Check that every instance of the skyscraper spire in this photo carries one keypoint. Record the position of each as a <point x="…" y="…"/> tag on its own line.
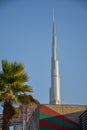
<point x="54" y="51"/>
<point x="55" y="78"/>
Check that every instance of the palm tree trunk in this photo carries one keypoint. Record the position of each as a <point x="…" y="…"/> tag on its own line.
<point x="6" y="115"/>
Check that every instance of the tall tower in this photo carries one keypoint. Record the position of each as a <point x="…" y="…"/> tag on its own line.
<point x="55" y="77"/>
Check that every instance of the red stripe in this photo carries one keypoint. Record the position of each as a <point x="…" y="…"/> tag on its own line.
<point x="51" y="125"/>
<point x="51" y="112"/>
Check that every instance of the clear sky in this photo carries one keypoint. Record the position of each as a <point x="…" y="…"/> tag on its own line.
<point x="26" y="37"/>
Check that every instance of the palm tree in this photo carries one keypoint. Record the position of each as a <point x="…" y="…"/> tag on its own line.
<point x="13" y="89"/>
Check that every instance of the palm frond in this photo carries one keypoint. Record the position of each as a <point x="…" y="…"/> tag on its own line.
<point x="26" y="88"/>
<point x="33" y="100"/>
<point x="23" y="99"/>
<point x="26" y="99"/>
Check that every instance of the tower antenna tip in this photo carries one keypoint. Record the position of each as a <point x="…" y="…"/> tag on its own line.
<point x="53" y="14"/>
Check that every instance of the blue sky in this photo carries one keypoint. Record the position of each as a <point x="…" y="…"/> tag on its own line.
<point x="26" y="37"/>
